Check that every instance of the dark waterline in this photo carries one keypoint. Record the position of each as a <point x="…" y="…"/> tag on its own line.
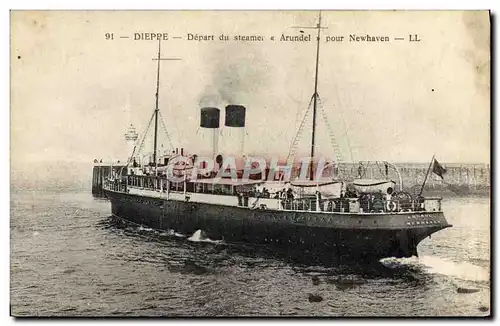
<point x="70" y="258"/>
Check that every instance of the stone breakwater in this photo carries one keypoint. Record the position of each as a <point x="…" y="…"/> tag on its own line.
<point x="459" y="179"/>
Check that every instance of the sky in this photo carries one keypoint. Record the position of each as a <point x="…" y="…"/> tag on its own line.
<point x="74" y="93"/>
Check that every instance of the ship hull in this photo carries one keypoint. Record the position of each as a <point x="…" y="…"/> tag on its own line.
<point x="344" y="237"/>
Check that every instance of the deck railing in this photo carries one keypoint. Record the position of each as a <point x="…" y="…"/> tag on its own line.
<point x="365" y="204"/>
<point x="115" y="185"/>
<point x="357" y="205"/>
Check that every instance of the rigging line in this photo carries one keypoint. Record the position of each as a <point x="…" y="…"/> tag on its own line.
<point x="166" y="131"/>
<point x="295" y="140"/>
<point x="297" y="115"/>
<point x="145" y="133"/>
<point x="297" y="112"/>
<point x="333" y="140"/>
<point x="128" y="162"/>
<point x="379" y="169"/>
<point x="140" y="146"/>
<point x="345" y="125"/>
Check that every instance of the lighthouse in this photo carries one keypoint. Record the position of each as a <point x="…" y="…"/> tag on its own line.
<point x="131" y="137"/>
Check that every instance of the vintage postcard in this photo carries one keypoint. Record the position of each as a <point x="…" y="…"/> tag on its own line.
<point x="250" y="163"/>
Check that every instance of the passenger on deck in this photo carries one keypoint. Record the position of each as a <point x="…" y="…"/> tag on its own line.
<point x="289" y="194"/>
<point x="419" y="201"/>
<point x="283" y="194"/>
<point x="351" y="193"/>
<point x="388" y="195"/>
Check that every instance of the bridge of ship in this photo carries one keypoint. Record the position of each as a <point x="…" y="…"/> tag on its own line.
<point x="244" y="194"/>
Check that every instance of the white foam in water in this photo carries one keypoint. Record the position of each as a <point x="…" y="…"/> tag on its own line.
<point x="173" y="233"/>
<point x="198" y="237"/>
<point x="142" y="228"/>
<point x="437" y="265"/>
<point x="392" y="262"/>
<point x="463" y="270"/>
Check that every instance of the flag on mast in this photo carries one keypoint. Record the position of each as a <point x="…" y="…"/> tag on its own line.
<point x="438" y="169"/>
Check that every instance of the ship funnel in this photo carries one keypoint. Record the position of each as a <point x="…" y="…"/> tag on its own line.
<point x="235" y="134"/>
<point x="209" y="122"/>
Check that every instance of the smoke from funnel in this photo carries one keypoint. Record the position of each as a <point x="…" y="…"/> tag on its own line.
<point x="238" y="72"/>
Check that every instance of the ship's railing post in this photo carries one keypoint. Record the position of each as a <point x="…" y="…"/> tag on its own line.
<point x="430" y="204"/>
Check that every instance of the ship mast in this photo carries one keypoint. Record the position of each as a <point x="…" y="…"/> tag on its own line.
<point x="157" y="109"/>
<point x="315" y="100"/>
<point x="155" y="150"/>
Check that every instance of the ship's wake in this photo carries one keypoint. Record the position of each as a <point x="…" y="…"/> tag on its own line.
<point x="200" y="236"/>
<point x="441" y="266"/>
<point x="172" y="233"/>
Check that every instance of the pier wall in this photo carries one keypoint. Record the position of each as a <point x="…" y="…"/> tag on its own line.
<point x="459" y="179"/>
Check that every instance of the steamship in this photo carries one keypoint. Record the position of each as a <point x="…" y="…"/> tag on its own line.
<point x="371" y="218"/>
